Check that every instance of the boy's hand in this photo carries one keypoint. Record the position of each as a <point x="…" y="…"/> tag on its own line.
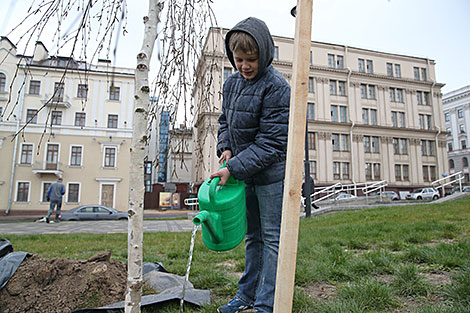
<point x="224" y="175"/>
<point x="226" y="155"/>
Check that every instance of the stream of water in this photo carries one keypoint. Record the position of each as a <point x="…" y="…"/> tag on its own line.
<point x="188" y="267"/>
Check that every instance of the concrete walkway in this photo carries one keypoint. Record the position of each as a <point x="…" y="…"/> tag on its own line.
<point x="91" y="227"/>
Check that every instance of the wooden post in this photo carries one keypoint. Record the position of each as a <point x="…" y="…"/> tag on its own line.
<point x="296" y="140"/>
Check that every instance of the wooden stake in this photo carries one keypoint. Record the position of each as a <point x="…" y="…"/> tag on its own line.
<point x="295" y="147"/>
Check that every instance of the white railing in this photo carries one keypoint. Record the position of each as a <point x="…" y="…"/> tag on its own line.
<point x="330" y="192"/>
<point x="441" y="182"/>
<point x="371" y="187"/>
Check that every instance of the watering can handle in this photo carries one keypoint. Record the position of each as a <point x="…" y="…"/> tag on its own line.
<point x="214" y="182"/>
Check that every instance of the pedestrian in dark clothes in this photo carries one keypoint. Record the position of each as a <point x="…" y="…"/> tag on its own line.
<point x="308" y="196"/>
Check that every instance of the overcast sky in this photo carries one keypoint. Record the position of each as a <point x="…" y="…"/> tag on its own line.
<point x="435" y="29"/>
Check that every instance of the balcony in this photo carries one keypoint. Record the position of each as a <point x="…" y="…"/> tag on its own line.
<point x="44" y="168"/>
<point x="57" y="102"/>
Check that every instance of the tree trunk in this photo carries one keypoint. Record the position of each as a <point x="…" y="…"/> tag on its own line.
<point x="137" y="154"/>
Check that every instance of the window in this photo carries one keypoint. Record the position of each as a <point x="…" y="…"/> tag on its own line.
<point x="463" y="144"/>
<point x="400" y="146"/>
<point x="372" y="171"/>
<point x="341" y="170"/>
<point x="421" y="121"/>
<point x="396" y="95"/>
<point x="394" y="119"/>
<point x="56" y="118"/>
<point x="449" y="147"/>
<point x="375" y="144"/>
<point x="424" y="150"/>
<point x="340" y="142"/>
<point x="400" y="95"/>
<point x="227" y="72"/>
<point x="390" y="69"/>
<point x="447" y="117"/>
<point x="401" y="119"/>
<point x="368" y="171"/>
<point x="416" y="73"/>
<point x="335" y="61"/>
<point x="367" y="91"/>
<point x="429" y="121"/>
<point x="76" y="156"/>
<point x="73" y="192"/>
<point x="331" y="60"/>
<point x="114" y="93"/>
<point x="276" y="53"/>
<point x="465" y="162"/>
<point x="339" y="114"/>
<point x="22" y="193"/>
<point x="361" y="65"/>
<point x="310" y="85"/>
<point x="45" y="189"/>
<point x="34" y="87"/>
<point x="460" y="113"/>
<point x="425" y="173"/>
<point x="367" y="144"/>
<point x="59" y="92"/>
<point x="311" y="140"/>
<point x="397" y="70"/>
<point x="392" y="95"/>
<point x="373" y="116"/>
<point x="82" y="91"/>
<point x="80" y="118"/>
<point x="112" y="121"/>
<point x="26" y="153"/>
<point x="3" y="82"/>
<point x="310" y="111"/>
<point x="110" y="157"/>
<point x="423" y="98"/>
<point x="32" y="116"/>
<point x="365" y="116"/>
<point x="313" y="169"/>
<point x="344" y="142"/>
<point x="335" y="141"/>
<point x="428" y="148"/>
<point x="370" y="67"/>
<point x="448" y="131"/>
<point x="337" y="88"/>
<point x="451" y="163"/>
<point x="423" y="74"/>
<point x="402" y="172"/>
<point x="462" y="128"/>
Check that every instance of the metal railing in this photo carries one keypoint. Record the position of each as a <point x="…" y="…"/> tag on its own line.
<point x="330" y="191"/>
<point x="371" y="187"/>
<point x="441" y="182"/>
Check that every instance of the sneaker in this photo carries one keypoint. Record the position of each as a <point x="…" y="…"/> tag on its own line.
<point x="235" y="305"/>
<point x="47" y="220"/>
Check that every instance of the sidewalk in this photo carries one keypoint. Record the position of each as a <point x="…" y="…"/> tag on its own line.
<point x="32" y="215"/>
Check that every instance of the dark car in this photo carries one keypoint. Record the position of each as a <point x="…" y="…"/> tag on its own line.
<point x="93" y="212"/>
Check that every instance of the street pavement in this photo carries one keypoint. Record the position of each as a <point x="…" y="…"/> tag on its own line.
<point x="92" y="227"/>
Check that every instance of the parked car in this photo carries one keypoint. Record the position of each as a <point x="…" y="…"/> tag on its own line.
<point x="423" y="193"/>
<point x="344" y="196"/>
<point x="466" y="189"/>
<point x="391" y="194"/>
<point x="93" y="212"/>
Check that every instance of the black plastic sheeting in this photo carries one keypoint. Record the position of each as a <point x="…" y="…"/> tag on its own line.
<point x="9" y="261"/>
<point x="169" y="286"/>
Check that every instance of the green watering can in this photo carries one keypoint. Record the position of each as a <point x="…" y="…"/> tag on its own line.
<point x="222" y="213"/>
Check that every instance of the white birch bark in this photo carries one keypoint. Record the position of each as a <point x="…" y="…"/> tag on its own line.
<point x="137" y="154"/>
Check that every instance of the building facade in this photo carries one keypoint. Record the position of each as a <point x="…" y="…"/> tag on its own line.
<point x="73" y="120"/>
<point x="457" y="121"/>
<point x="371" y="115"/>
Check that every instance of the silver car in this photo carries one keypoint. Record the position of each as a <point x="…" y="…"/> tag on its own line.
<point x="93" y="212"/>
<point x="423" y="193"/>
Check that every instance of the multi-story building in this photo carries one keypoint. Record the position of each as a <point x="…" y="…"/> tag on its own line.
<point x="73" y="120"/>
<point x="371" y="115"/>
<point x="457" y="122"/>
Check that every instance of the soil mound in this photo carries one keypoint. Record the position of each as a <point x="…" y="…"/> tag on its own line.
<point x="60" y="285"/>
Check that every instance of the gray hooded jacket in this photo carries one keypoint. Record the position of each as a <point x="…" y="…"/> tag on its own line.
<point x="255" y="114"/>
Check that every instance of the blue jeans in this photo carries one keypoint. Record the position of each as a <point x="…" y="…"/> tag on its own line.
<point x="54" y="203"/>
<point x="264" y="212"/>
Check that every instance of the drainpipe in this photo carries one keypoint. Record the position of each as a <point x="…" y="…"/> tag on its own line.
<point x="437" y="134"/>
<point x="351" y="130"/>
<point x="15" y="148"/>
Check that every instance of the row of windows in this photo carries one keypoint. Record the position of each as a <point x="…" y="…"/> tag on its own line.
<point x="460" y="114"/>
<point x="464" y="162"/>
<point x="463" y="145"/>
<point x="80" y="118"/>
<point x="23" y="192"/>
<point x="76" y="155"/>
<point x="59" y="89"/>
<point x="373" y="171"/>
<point x="367" y="66"/>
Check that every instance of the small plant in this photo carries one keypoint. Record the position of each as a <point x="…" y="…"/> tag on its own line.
<point x="459" y="290"/>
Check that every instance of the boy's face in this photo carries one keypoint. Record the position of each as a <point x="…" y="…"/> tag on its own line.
<point x="247" y="64"/>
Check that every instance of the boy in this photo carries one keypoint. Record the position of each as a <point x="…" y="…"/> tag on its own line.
<point x="252" y="139"/>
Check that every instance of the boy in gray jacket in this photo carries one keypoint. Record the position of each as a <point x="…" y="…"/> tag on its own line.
<point x="252" y="139"/>
<point x="54" y="195"/>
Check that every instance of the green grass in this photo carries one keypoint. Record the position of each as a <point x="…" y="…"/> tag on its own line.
<point x="378" y="260"/>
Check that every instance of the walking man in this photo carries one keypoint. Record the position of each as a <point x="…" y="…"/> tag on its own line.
<point x="54" y="195"/>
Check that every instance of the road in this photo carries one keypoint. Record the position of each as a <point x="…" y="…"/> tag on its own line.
<point x="92" y="227"/>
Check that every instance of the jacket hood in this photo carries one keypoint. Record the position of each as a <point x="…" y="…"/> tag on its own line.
<point x="260" y="32"/>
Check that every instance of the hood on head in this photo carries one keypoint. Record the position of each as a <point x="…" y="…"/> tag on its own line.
<point x="260" y="32"/>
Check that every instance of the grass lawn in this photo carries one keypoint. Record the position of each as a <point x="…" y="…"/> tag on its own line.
<point x="389" y="259"/>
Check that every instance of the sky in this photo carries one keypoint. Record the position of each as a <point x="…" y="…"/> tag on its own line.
<point x="435" y="29"/>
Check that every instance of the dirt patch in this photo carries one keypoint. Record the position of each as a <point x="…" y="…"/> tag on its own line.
<point x="60" y="285"/>
<point x="320" y="291"/>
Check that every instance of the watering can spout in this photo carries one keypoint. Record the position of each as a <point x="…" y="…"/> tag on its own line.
<point x="213" y="223"/>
